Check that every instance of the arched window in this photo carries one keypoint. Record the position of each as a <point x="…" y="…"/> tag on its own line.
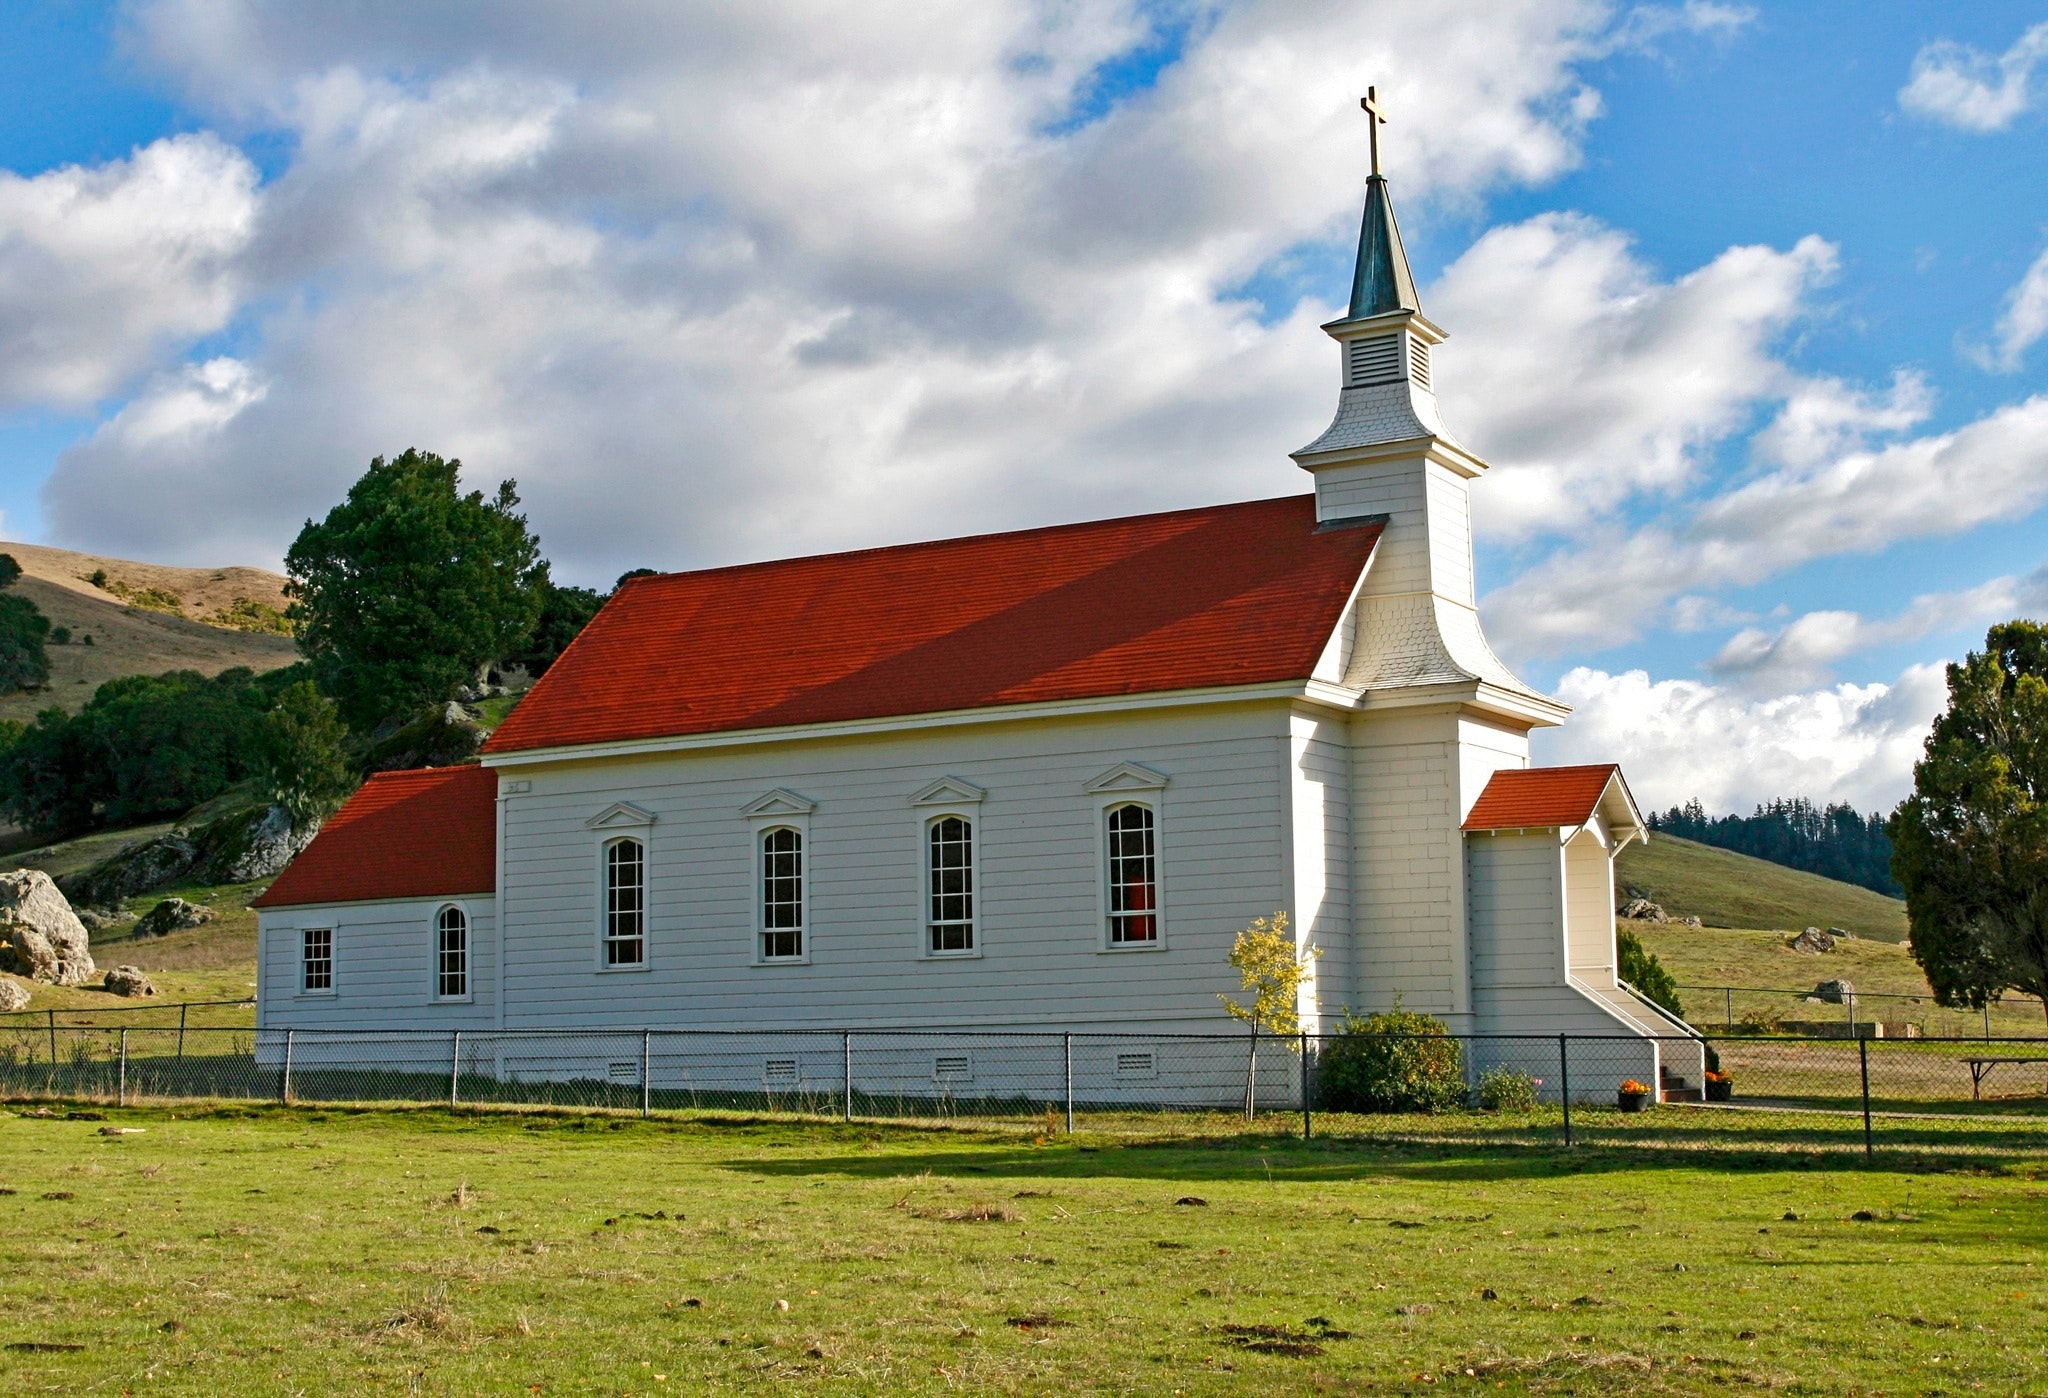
<point x="949" y="881"/>
<point x="782" y="894"/>
<point x="451" y="954"/>
<point x="625" y="903"/>
<point x="1133" y="877"/>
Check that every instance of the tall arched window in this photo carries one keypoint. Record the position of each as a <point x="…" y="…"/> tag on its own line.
<point x="782" y="894"/>
<point x="625" y="903"/>
<point x="949" y="881"/>
<point x="451" y="954"/>
<point x="1133" y="877"/>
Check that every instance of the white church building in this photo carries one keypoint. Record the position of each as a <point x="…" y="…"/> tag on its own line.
<point x="1033" y="780"/>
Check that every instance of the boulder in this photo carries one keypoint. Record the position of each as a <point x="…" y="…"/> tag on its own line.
<point x="172" y="915"/>
<point x="1813" y="940"/>
<point x="41" y="939"/>
<point x="1643" y="910"/>
<point x="1835" y="992"/>
<point x="95" y="920"/>
<point x="1692" y="922"/>
<point x="1841" y="934"/>
<point x="13" y="996"/>
<point x="129" y="981"/>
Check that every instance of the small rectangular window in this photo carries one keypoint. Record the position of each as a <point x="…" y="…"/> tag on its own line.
<point x="451" y="954"/>
<point x="622" y="1072"/>
<point x="625" y="903"/>
<point x="949" y="880"/>
<point x="952" y="1067"/>
<point x="316" y="959"/>
<point x="779" y="1071"/>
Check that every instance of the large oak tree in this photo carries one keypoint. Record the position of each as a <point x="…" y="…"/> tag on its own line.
<point x="1970" y="845"/>
<point x="409" y="588"/>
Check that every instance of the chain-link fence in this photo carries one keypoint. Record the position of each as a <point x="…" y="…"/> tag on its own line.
<point x="1733" y="1092"/>
<point x="1833" y="1009"/>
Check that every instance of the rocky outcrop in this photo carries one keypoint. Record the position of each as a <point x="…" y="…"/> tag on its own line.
<point x="445" y="735"/>
<point x="253" y="843"/>
<point x="172" y="915"/>
<point x="1643" y="910"/>
<point x="13" y="996"/>
<point x="135" y="869"/>
<point x="40" y="938"/>
<point x="1835" y="992"/>
<point x="129" y="981"/>
<point x="1813" y="940"/>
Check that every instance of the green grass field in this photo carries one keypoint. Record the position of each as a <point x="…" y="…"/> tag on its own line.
<point x="271" y="1251"/>
<point x="1724" y="889"/>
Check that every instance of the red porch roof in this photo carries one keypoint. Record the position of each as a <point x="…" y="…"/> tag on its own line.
<point x="1539" y="797"/>
<point x="421" y="834"/>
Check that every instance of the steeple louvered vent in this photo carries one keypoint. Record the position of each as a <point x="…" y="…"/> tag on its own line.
<point x="1375" y="359"/>
<point x="1418" y="363"/>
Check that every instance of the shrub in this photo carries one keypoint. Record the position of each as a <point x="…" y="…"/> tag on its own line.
<point x="1507" y="1090"/>
<point x="60" y="635"/>
<point x="1641" y="969"/>
<point x="1396" y="1061"/>
<point x="1764" y="1021"/>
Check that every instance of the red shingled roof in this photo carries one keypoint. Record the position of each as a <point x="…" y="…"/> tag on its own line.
<point x="1230" y="595"/>
<point x="424" y="834"/>
<point x="1539" y="797"/>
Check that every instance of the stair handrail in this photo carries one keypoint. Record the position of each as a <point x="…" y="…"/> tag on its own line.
<point x="1658" y="1010"/>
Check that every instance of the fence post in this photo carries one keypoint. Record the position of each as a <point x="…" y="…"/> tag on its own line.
<point x="284" y="1091"/>
<point x="53" y="1041"/>
<point x="1564" y="1083"/>
<point x="121" y="1092"/>
<point x="182" y="1007"/>
<point x="1728" y="994"/>
<point x="1987" y="1021"/>
<point x="1863" y="1057"/>
<point x="846" y="1081"/>
<point x="454" y="1067"/>
<point x="1070" y="1083"/>
<point x="646" y="1088"/>
<point x="1308" y="1125"/>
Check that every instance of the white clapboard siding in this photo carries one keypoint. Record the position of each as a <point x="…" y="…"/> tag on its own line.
<point x="1320" y="776"/>
<point x="383" y="967"/>
<point x="1589" y="908"/>
<point x="1407" y="876"/>
<point x="1222" y="823"/>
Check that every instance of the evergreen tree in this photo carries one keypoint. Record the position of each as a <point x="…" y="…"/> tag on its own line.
<point x="302" y="754"/>
<point x="1972" y="839"/>
<point x="24" y="630"/>
<point x="408" y="588"/>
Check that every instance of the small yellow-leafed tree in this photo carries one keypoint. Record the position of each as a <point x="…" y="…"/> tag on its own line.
<point x="1272" y="968"/>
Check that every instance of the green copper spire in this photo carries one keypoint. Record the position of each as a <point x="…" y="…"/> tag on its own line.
<point x="1381" y="283"/>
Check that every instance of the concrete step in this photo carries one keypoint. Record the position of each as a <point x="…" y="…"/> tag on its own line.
<point x="1682" y="1094"/>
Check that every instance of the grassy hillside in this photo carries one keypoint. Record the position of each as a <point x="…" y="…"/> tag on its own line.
<point x="146" y="620"/>
<point x="1725" y="889"/>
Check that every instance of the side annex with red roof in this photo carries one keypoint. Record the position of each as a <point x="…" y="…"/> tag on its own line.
<point x="1034" y="780"/>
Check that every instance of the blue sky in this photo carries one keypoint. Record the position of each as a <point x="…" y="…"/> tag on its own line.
<point x="723" y="283"/>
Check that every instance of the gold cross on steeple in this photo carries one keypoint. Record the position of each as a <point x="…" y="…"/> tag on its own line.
<point x="1376" y="117"/>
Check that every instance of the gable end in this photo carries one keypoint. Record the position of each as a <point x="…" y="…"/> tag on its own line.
<point x="948" y="791"/>
<point x="618" y="815"/>
<point x="1128" y="776"/>
<point x="779" y="802"/>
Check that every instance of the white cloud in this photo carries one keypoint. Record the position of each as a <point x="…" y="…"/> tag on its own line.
<point x="1681" y="739"/>
<point x="103" y="270"/>
<point x="1804" y="653"/>
<point x="738" y="281"/>
<point x="1589" y="379"/>
<point x="1962" y="86"/>
<point x="1823" y="418"/>
<point x="1608" y="587"/>
<point x="2024" y="321"/>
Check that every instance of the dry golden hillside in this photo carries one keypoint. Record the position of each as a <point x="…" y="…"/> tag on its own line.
<point x="145" y="619"/>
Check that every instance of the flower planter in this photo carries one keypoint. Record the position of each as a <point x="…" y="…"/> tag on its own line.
<point x="1722" y="1091"/>
<point x="1631" y="1101"/>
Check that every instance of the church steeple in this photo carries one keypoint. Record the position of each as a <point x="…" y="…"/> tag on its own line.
<point x="1387" y="456"/>
<point x="1381" y="282"/>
